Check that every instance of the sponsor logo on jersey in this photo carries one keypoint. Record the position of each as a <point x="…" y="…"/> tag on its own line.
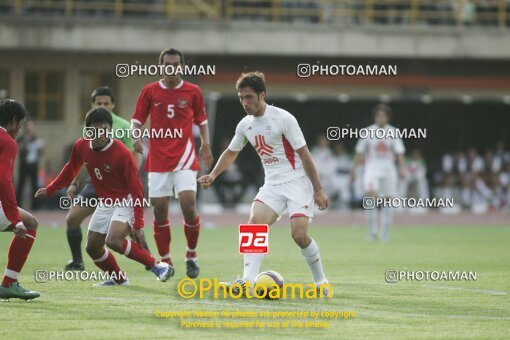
<point x="268" y="130"/>
<point x="381" y="148"/>
<point x="261" y="147"/>
<point x="271" y="160"/>
<point x="107" y="167"/>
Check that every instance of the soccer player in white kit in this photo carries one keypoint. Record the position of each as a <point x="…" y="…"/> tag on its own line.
<point x="292" y="182"/>
<point x="380" y="178"/>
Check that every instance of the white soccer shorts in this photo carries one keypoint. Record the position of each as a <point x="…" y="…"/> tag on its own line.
<point x="103" y="216"/>
<point x="295" y="196"/>
<point x="383" y="184"/>
<point x="167" y="184"/>
<point x="4" y="222"/>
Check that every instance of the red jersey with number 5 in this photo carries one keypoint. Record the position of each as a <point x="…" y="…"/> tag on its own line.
<point x="175" y="109"/>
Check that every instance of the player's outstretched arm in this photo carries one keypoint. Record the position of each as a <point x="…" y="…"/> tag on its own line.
<point x="226" y="159"/>
<point x="65" y="177"/>
<point x="319" y="195"/>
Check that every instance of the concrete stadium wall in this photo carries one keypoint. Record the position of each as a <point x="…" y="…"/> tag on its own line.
<point x="252" y="38"/>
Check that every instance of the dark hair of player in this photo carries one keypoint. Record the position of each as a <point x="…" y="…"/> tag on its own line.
<point x="98" y="116"/>
<point x="103" y="91"/>
<point x="11" y="109"/>
<point x="382" y="107"/>
<point x="171" y="51"/>
<point x="254" y="80"/>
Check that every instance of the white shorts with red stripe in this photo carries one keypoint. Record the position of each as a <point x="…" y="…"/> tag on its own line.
<point x="167" y="184"/>
<point x="295" y="196"/>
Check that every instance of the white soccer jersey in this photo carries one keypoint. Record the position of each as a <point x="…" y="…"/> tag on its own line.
<point x="275" y="136"/>
<point x="380" y="152"/>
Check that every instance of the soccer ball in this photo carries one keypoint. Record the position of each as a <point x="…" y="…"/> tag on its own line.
<point x="270" y="280"/>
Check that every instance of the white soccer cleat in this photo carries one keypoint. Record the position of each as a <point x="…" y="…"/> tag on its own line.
<point x="163" y="271"/>
<point x="325" y="287"/>
<point x="235" y="286"/>
<point x="108" y="283"/>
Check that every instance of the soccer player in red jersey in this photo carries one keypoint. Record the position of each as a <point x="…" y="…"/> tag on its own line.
<point x="174" y="105"/>
<point x="114" y="175"/>
<point x="12" y="218"/>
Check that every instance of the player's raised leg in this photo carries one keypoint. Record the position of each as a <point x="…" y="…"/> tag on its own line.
<point x="18" y="253"/>
<point x="187" y="200"/>
<point x="117" y="241"/>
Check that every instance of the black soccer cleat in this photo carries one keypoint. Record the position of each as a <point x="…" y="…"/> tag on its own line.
<point x="74" y="266"/>
<point x="192" y="269"/>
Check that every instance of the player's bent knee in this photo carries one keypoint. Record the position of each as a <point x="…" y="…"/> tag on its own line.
<point x="189" y="215"/>
<point x="73" y="221"/>
<point x="93" y="250"/>
<point x="259" y="219"/>
<point x="301" y="238"/>
<point x="160" y="208"/>
<point x="256" y="220"/>
<point x="31" y="223"/>
<point x="114" y="243"/>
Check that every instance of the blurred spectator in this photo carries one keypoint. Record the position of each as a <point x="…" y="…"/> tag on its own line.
<point x="30" y="150"/>
<point x="473" y="186"/>
<point x="504" y="184"/>
<point x="454" y="169"/>
<point x="493" y="164"/>
<point x="502" y="153"/>
<point x="229" y="185"/>
<point x="341" y="179"/>
<point x="47" y="174"/>
<point x="415" y="182"/>
<point x="464" y="12"/>
<point x="323" y="158"/>
<point x="479" y="183"/>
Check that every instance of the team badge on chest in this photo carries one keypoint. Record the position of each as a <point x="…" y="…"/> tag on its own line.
<point x="107" y="167"/>
<point x="182" y="103"/>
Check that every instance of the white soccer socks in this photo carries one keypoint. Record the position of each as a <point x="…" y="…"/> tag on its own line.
<point x="372" y="224"/>
<point x="386" y="222"/>
<point x="313" y="258"/>
<point x="252" y="266"/>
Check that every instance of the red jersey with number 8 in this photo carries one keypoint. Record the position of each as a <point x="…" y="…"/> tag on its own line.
<point x="172" y="113"/>
<point x="112" y="170"/>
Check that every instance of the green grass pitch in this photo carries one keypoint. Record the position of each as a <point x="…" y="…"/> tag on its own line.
<point x="443" y="309"/>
